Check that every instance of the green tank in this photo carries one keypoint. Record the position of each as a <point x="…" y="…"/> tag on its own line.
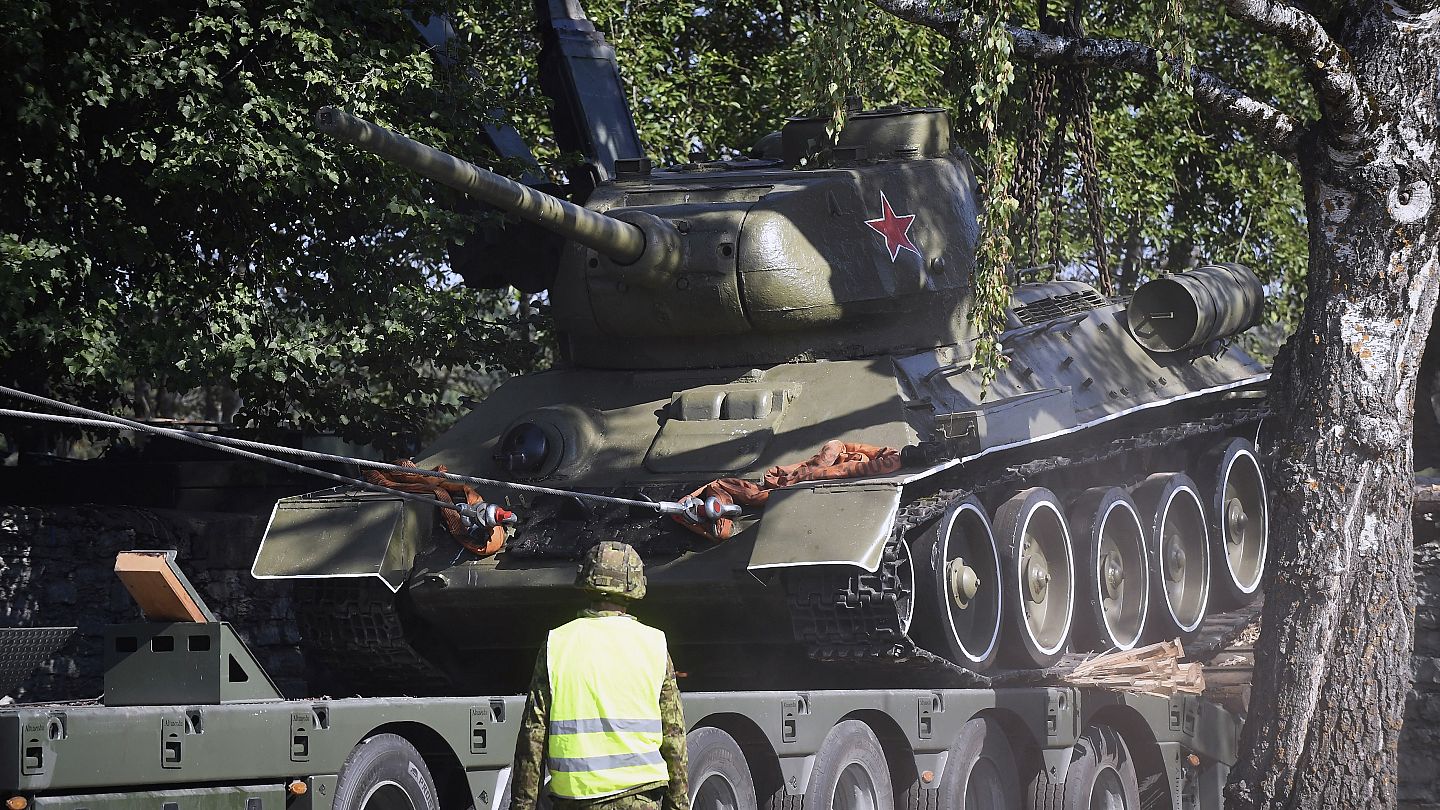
<point x="716" y="320"/>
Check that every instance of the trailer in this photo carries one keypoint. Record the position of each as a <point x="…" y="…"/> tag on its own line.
<point x="189" y="720"/>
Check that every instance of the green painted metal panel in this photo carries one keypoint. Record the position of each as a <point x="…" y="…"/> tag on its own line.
<point x="87" y="757"/>
<point x="350" y="535"/>
<point x="238" y="797"/>
<point x="839" y="523"/>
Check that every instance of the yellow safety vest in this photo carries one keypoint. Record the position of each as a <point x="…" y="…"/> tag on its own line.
<point x="604" y="732"/>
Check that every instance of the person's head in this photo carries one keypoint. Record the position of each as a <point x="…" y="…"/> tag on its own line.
<point x="611" y="571"/>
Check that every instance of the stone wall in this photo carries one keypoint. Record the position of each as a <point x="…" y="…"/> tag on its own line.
<point x="56" y="568"/>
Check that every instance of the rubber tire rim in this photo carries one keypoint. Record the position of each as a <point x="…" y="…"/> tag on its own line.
<point x="379" y="772"/>
<point x="1227" y="589"/>
<point x="1118" y="511"/>
<point x="1157" y="497"/>
<point x="963" y="531"/>
<point x="719" y="774"/>
<point x="1013" y="522"/>
<point x="851" y="759"/>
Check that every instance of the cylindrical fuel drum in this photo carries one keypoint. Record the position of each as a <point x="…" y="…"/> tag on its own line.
<point x="1193" y="308"/>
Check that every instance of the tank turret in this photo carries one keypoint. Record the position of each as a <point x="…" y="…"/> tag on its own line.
<point x="749" y="262"/>
<point x="721" y="320"/>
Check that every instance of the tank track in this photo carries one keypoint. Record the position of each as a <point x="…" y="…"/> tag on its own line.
<point x="348" y="621"/>
<point x="848" y="617"/>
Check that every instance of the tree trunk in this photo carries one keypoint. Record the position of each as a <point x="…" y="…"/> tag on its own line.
<point x="1128" y="278"/>
<point x="1332" y="665"/>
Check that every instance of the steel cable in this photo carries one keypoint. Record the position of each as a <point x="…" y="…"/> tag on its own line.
<point x="229" y="445"/>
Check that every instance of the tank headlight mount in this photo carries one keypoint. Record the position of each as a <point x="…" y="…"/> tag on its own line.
<point x="523" y="449"/>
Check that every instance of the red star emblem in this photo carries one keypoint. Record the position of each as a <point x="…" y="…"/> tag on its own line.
<point x="895" y="229"/>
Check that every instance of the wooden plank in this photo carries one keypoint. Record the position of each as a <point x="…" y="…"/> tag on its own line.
<point x="155" y="588"/>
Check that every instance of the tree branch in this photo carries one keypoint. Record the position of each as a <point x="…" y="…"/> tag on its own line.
<point x="1274" y="128"/>
<point x="1348" y="109"/>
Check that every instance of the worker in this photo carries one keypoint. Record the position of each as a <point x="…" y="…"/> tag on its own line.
<point x="603" y="710"/>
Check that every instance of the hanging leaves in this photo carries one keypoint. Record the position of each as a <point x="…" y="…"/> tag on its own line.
<point x="994" y="75"/>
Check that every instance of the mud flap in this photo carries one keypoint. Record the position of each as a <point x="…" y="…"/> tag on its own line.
<point x="327" y="535"/>
<point x="836" y="523"/>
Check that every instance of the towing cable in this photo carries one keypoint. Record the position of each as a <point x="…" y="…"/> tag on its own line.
<point x="690" y="509"/>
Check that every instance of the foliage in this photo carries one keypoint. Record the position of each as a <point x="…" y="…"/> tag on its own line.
<point x="174" y="219"/>
<point x="1174" y="187"/>
<point x="993" y="77"/>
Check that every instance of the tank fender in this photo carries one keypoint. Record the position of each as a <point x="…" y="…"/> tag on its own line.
<point x="1057" y="762"/>
<point x="796" y="773"/>
<point x="342" y="534"/>
<point x="836" y="523"/>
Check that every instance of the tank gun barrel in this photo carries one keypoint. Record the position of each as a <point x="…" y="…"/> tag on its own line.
<point x="621" y="241"/>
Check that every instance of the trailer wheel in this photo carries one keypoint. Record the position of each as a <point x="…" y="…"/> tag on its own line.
<point x="850" y="772"/>
<point x="385" y="772"/>
<point x="719" y="775"/>
<point x="1101" y="773"/>
<point x="980" y="769"/>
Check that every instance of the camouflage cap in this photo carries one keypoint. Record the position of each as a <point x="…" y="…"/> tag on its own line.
<point x="612" y="568"/>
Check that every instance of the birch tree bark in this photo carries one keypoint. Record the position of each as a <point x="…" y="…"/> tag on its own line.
<point x="1333" y="659"/>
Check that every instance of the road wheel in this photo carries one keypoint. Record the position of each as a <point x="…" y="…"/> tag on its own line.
<point x="719" y="775"/>
<point x="1101" y="775"/>
<point x="1039" y="577"/>
<point x="1113" y="572"/>
<point x="385" y="772"/>
<point x="980" y="770"/>
<point x="959" y="586"/>
<point x="1179" y="553"/>
<point x="850" y="772"/>
<point x="1239" y="521"/>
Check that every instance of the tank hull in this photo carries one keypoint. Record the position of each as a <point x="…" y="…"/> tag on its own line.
<point x="731" y="608"/>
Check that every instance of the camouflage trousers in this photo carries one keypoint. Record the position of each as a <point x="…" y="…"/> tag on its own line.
<point x="649" y="800"/>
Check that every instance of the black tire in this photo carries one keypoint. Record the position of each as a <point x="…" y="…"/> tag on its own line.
<point x="1174" y="513"/>
<point x="719" y="775"/>
<point x="980" y="771"/>
<point x="962" y="626"/>
<point x="385" y="772"/>
<point x="1039" y="578"/>
<point x="1100" y="769"/>
<point x="1112" y="570"/>
<point x="850" y="772"/>
<point x="1238" y="542"/>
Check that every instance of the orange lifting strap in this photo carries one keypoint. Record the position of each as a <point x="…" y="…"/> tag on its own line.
<point x="419" y="482"/>
<point x="836" y="459"/>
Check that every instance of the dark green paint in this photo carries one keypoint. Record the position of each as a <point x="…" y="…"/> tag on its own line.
<point x="764" y="315"/>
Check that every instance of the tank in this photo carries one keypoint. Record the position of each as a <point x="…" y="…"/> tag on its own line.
<point x="721" y="319"/>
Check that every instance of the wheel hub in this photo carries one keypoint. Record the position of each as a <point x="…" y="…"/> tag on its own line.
<point x="1112" y="574"/>
<point x="1235" y="521"/>
<point x="1037" y="572"/>
<point x="1174" y="559"/>
<point x="964" y="583"/>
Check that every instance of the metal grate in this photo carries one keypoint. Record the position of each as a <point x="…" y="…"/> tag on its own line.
<point x="22" y="649"/>
<point x="1058" y="306"/>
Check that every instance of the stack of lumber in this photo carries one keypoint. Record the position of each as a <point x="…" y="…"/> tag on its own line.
<point x="1155" y="669"/>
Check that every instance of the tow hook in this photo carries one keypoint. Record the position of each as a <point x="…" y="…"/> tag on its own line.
<point x="699" y="512"/>
<point x="484" y="517"/>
